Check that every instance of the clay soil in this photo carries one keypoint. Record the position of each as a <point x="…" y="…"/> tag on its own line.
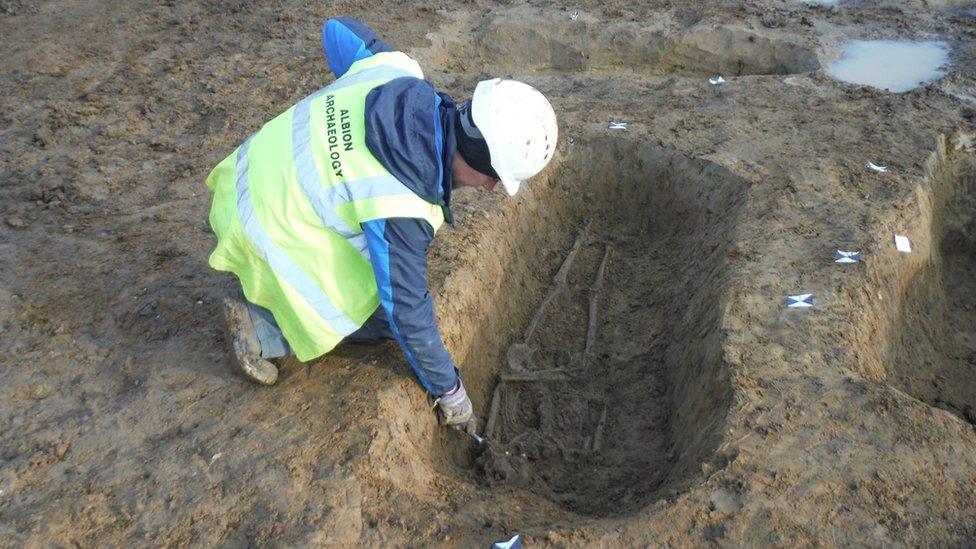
<point x="621" y="324"/>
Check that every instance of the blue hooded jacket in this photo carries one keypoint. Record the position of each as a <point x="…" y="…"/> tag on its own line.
<point x="410" y="130"/>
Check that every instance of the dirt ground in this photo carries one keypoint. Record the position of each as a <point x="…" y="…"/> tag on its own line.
<point x="621" y="324"/>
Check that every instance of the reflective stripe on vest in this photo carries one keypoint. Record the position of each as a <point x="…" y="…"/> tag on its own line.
<point x="280" y="262"/>
<point x="289" y="202"/>
<point x="326" y="199"/>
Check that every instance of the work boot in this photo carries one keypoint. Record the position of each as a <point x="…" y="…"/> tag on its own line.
<point x="243" y="342"/>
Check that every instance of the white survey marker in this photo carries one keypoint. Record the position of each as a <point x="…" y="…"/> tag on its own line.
<point x="847" y="257"/>
<point x="574" y="15"/>
<point x="514" y="543"/>
<point x="617" y="126"/>
<point x="716" y="80"/>
<point x="799" y="301"/>
<point x="902" y="244"/>
<point x="877" y="168"/>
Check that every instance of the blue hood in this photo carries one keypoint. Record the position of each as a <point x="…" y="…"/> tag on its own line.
<point x="410" y="130"/>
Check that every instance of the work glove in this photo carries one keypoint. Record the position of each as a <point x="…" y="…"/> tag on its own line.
<point x="454" y="410"/>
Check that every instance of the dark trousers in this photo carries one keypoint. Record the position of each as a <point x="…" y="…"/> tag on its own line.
<point x="274" y="345"/>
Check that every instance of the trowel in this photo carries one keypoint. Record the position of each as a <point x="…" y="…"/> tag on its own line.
<point x="479" y="440"/>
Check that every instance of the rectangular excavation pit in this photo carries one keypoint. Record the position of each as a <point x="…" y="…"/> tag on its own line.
<point x="609" y="429"/>
<point x="524" y="40"/>
<point x="931" y="343"/>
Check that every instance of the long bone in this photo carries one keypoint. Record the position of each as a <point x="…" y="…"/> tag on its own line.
<point x="594" y="299"/>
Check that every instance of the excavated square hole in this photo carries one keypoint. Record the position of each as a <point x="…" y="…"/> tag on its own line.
<point x="931" y="353"/>
<point x="611" y="390"/>
<point x="526" y="40"/>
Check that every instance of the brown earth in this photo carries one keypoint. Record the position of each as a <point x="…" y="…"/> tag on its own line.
<point x="702" y="411"/>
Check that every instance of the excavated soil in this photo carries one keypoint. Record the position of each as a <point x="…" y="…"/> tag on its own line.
<point x="621" y="325"/>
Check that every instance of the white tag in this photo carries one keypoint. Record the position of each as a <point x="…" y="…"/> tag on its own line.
<point x="799" y="301"/>
<point x="902" y="244"/>
<point x="877" y="168"/>
<point x="847" y="257"/>
<point x="516" y="541"/>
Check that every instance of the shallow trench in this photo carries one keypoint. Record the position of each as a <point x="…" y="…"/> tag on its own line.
<point x="604" y="428"/>
<point x="525" y="40"/>
<point x="931" y="351"/>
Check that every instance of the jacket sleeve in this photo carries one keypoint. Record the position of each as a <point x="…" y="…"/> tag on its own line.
<point x="398" y="251"/>
<point x="346" y="40"/>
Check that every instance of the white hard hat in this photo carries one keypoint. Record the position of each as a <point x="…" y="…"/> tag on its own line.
<point x="519" y="126"/>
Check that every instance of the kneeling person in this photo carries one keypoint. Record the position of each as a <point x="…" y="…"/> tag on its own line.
<point x="326" y="213"/>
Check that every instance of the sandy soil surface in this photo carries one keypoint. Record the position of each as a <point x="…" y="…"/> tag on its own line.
<point x="653" y="391"/>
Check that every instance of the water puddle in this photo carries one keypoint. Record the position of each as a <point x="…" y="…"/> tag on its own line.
<point x="893" y="65"/>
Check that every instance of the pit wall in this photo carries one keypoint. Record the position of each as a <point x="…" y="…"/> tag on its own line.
<point x="928" y="355"/>
<point x="908" y="337"/>
<point x="501" y="274"/>
<point x="701" y="204"/>
<point x="525" y="39"/>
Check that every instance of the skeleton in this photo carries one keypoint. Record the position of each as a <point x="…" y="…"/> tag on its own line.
<point x="521" y="368"/>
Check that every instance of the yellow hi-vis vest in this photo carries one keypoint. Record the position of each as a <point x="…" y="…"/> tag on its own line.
<point x="289" y="201"/>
